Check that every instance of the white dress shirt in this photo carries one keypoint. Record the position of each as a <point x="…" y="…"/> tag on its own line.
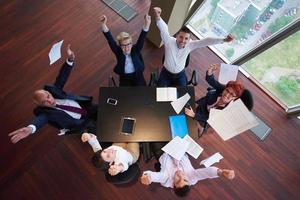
<point x="175" y="58"/>
<point x="129" y="68"/>
<point x="169" y="166"/>
<point x="122" y="157"/>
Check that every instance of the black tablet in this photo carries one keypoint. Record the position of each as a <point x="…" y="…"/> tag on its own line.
<point x="127" y="125"/>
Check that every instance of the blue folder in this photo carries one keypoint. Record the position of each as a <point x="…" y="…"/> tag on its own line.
<point x="178" y="125"/>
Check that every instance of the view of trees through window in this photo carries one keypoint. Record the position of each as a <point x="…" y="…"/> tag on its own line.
<point x="278" y="70"/>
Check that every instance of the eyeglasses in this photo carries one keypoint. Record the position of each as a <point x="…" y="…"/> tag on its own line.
<point x="126" y="45"/>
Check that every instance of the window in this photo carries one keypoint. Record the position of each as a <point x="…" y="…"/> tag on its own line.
<point x="278" y="70"/>
<point x="251" y="22"/>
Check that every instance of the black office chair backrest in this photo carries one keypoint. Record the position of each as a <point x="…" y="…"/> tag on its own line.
<point x="154" y="78"/>
<point x="111" y="82"/>
<point x="247" y="99"/>
<point x="129" y="176"/>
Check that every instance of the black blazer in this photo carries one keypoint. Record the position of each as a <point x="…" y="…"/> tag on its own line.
<point x="59" y="118"/>
<point x="202" y="114"/>
<point x="136" y="55"/>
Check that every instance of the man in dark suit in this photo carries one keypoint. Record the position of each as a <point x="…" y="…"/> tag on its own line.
<point x="58" y="108"/>
<point x="130" y="65"/>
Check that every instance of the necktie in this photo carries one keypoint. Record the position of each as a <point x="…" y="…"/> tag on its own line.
<point x="72" y="109"/>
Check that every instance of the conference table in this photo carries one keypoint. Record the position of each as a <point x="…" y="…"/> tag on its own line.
<point x="152" y="117"/>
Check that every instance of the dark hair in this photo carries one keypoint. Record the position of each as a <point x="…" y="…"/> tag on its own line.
<point x="182" y="191"/>
<point x="99" y="162"/>
<point x="185" y="30"/>
<point x="237" y="87"/>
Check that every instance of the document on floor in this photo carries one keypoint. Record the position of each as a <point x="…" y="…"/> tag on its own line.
<point x="228" y="73"/>
<point x="176" y="147"/>
<point x="211" y="160"/>
<point x="194" y="149"/>
<point x="232" y="120"/>
<point x="55" y="52"/>
<point x="179" y="103"/>
<point x="166" y="94"/>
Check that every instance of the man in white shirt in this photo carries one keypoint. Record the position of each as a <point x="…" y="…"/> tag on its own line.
<point x="177" y="50"/>
<point x="119" y="156"/>
<point x="180" y="175"/>
<point x="58" y="108"/>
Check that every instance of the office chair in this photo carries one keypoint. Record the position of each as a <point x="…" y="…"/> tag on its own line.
<point x="129" y="176"/>
<point x="247" y="99"/>
<point x="154" y="78"/>
<point x="111" y="81"/>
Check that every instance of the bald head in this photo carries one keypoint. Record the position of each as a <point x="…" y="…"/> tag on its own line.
<point x="43" y="98"/>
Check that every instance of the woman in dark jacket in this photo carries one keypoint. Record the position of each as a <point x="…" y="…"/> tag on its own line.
<point x="219" y="96"/>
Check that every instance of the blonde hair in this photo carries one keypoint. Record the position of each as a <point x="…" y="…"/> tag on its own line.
<point x="123" y="36"/>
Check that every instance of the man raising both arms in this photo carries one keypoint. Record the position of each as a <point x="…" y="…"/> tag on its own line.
<point x="177" y="50"/>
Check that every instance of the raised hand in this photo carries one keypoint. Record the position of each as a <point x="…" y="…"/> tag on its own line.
<point x="212" y="68"/>
<point x="115" y="169"/>
<point x="145" y="179"/>
<point x="103" y="19"/>
<point x="226" y="173"/>
<point x="20" y="134"/>
<point x="147" y="21"/>
<point x="229" y="38"/>
<point x="70" y="53"/>
<point x="157" y="12"/>
<point x="85" y="137"/>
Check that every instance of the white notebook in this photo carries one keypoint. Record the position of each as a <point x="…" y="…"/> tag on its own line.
<point x="166" y="94"/>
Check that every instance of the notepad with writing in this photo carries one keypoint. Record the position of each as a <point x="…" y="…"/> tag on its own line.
<point x="178" y="125"/>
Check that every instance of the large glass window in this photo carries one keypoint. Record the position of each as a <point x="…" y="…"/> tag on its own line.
<point x="251" y="21"/>
<point x="278" y="70"/>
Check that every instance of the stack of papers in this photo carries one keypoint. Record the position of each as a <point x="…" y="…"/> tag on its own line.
<point x="228" y="73"/>
<point x="178" y="147"/>
<point x="166" y="94"/>
<point x="232" y="120"/>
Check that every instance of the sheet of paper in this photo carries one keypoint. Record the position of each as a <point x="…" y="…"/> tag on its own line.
<point x="176" y="147"/>
<point x="55" y="52"/>
<point x="179" y="103"/>
<point x="228" y="73"/>
<point x="211" y="160"/>
<point x="194" y="149"/>
<point x="166" y="94"/>
<point x="232" y="120"/>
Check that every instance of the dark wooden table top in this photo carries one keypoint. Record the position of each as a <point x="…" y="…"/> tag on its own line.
<point x="152" y="118"/>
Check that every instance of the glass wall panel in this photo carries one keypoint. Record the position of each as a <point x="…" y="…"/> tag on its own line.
<point x="251" y="21"/>
<point x="278" y="70"/>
